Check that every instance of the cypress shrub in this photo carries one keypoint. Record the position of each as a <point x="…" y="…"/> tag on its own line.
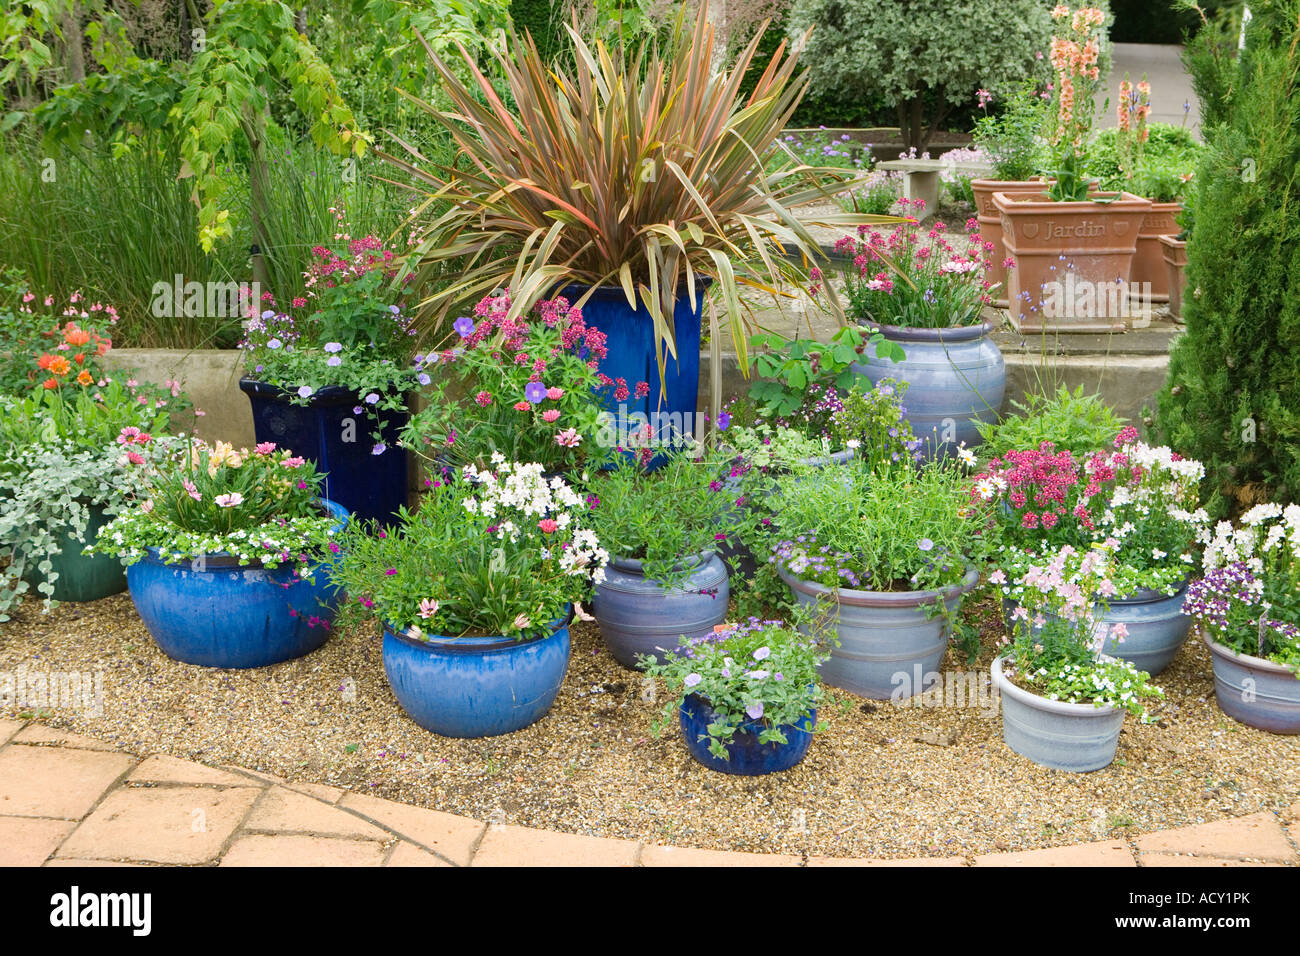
<point x="1233" y="395"/>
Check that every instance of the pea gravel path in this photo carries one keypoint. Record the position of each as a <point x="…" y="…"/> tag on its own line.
<point x="883" y="781"/>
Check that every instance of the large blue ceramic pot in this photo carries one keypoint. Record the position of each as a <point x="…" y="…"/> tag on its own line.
<point x="955" y="378"/>
<point x="476" y="686"/>
<point x="1255" y="691"/>
<point x="630" y="339"/>
<point x="891" y="642"/>
<point x="338" y="440"/>
<point x="214" y="613"/>
<point x="747" y="757"/>
<point x="637" y="615"/>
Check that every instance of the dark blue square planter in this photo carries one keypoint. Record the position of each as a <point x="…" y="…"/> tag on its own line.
<point x="327" y="432"/>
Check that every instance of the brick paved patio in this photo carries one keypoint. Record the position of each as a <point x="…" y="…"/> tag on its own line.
<point x="67" y="800"/>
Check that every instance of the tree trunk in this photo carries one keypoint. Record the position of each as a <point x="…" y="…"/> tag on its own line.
<point x="254" y="125"/>
<point x="74" y="62"/>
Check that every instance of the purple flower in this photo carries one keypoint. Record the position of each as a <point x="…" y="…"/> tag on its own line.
<point x="763" y="653"/>
<point x="692" y="680"/>
<point x="379" y="449"/>
<point x="304" y="391"/>
<point x="464" y="326"/>
<point x="535" y="392"/>
<point x="372" y="398"/>
<point x="925" y="544"/>
<point x="724" y="421"/>
<point x="357" y="409"/>
<point x="333" y="347"/>
<point x="423" y="379"/>
<point x="755" y="710"/>
<point x="333" y="361"/>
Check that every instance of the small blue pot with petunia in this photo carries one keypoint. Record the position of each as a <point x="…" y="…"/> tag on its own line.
<point x="747" y="756"/>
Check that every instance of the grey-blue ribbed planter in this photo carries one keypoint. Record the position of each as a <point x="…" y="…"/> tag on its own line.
<point x="1054" y="733"/>
<point x="889" y="640"/>
<point x="1256" y="692"/>
<point x="637" y="615"/>
<point x="1157" y="627"/>
<point x="955" y="377"/>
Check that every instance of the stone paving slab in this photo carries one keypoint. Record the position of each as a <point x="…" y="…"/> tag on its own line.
<point x="67" y="800"/>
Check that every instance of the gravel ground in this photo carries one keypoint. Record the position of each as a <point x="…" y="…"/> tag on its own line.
<point x="882" y="781"/>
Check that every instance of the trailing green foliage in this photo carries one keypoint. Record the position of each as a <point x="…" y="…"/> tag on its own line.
<point x="1071" y="420"/>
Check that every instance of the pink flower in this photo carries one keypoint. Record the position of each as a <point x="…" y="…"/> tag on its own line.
<point x="547" y="525"/>
<point x="428" y="608"/>
<point x="191" y="490"/>
<point x="265" y="448"/>
<point x="230" y="500"/>
<point x="550" y="415"/>
<point x="554" y="393"/>
<point x="484" y="399"/>
<point x="569" y="438"/>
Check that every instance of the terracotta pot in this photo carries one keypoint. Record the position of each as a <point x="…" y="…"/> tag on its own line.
<point x="1149" y="260"/>
<point x="991" y="223"/>
<point x="1174" y="253"/>
<point x="1073" y="260"/>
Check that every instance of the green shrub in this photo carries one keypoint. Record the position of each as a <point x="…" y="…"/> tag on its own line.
<point x="1233" y="395"/>
<point x="1170" y="151"/>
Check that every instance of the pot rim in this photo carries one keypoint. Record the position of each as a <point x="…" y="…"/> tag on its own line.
<point x="949" y="334"/>
<point x="606" y="292"/>
<point x="224" y="560"/>
<point x="1007" y="687"/>
<point x="636" y="566"/>
<point x="325" y="396"/>
<point x="1151" y="596"/>
<point x="1173" y="242"/>
<point x="881" y="599"/>
<point x="1124" y="201"/>
<point x="1245" y="660"/>
<point x="469" y="645"/>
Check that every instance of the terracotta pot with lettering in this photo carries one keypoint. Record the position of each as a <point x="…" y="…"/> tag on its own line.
<point x="1174" y="253"/>
<point x="1149" y="260"/>
<point x="991" y="223"/>
<point x="1073" y="260"/>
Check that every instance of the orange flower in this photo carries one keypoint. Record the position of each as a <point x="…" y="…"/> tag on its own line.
<point x="79" y="358"/>
<point x="85" y="378"/>
<point x="76" y="337"/>
<point x="44" y="361"/>
<point x="51" y="383"/>
<point x="59" y="365"/>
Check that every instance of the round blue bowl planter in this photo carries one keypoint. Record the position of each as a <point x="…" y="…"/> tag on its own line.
<point x="327" y="432"/>
<point x="955" y="378"/>
<point x="1156" y="625"/>
<point x="476" y="686"/>
<point x="638" y="616"/>
<point x="1255" y="691"/>
<point x="891" y="642"/>
<point x="630" y="339"/>
<point x="1057" y="734"/>
<point x="214" y="613"/>
<point x="748" y="757"/>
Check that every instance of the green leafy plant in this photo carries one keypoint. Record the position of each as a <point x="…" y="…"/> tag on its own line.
<point x="498" y="551"/>
<point x="1072" y="420"/>
<point x="638" y="168"/>
<point x="666" y="517"/>
<point x="787" y="370"/>
<point x="905" y="529"/>
<point x="62" y="458"/>
<point x="754" y="671"/>
<point x="1014" y="137"/>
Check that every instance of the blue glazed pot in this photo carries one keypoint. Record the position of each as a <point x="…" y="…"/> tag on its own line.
<point x="955" y="378"/>
<point x="630" y="339"/>
<point x="891" y="642"/>
<point x="1254" y="691"/>
<point x="1056" y="734"/>
<point x="476" y="686"/>
<point x="637" y="616"/>
<point x="1157" y="627"/>
<point x="214" y="613"/>
<point x="327" y="432"/>
<point x="747" y="756"/>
